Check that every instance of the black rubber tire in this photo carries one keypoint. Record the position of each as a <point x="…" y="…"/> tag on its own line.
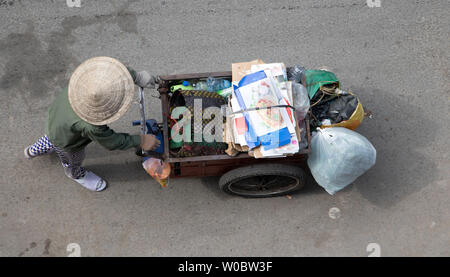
<point x="233" y="179"/>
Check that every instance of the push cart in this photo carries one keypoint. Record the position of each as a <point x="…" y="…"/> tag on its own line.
<point x="241" y="175"/>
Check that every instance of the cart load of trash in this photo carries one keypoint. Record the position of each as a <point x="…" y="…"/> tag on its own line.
<point x="268" y="111"/>
<point x="190" y="103"/>
<point x="264" y="111"/>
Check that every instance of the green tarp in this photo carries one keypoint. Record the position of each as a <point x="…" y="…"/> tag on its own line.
<point x="314" y="79"/>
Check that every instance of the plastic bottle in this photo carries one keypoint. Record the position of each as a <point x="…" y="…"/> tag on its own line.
<point x="199" y="85"/>
<point x="296" y="73"/>
<point x="184" y="86"/>
<point x="225" y="92"/>
<point x="301" y="100"/>
<point x="211" y="85"/>
<point x="302" y="105"/>
<point x="216" y="84"/>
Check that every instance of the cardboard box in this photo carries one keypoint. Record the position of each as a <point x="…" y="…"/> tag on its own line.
<point x="239" y="70"/>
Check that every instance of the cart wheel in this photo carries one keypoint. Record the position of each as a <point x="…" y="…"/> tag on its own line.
<point x="263" y="180"/>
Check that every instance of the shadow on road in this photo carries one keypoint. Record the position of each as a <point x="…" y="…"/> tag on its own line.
<point x="398" y="131"/>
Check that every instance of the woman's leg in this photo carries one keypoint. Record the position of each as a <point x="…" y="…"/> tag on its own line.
<point x="71" y="161"/>
<point x="41" y="147"/>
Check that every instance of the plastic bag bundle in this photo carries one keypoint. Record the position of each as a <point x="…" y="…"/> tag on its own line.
<point x="353" y="122"/>
<point x="339" y="156"/>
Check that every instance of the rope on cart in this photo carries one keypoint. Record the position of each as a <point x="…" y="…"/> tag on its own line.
<point x="263" y="108"/>
<point x="174" y="122"/>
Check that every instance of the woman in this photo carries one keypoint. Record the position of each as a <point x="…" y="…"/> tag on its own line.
<point x="100" y="91"/>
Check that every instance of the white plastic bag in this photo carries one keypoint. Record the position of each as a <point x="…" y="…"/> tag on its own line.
<point x="339" y="156"/>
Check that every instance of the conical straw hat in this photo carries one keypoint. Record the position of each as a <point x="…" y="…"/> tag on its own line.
<point x="101" y="90"/>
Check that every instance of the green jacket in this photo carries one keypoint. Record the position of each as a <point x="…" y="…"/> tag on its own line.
<point x="66" y="130"/>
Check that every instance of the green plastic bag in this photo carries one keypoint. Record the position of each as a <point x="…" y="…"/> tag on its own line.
<point x="314" y="79"/>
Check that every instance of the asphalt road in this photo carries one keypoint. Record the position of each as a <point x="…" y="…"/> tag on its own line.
<point x="394" y="57"/>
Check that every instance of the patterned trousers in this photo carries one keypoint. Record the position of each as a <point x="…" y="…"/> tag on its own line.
<point x="71" y="161"/>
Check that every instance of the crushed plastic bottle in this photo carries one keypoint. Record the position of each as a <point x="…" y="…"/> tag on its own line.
<point x="199" y="85"/>
<point x="295" y="73"/>
<point x="184" y="86"/>
<point x="301" y="101"/>
<point x="301" y="104"/>
<point x="225" y="92"/>
<point x="216" y="84"/>
<point x="211" y="85"/>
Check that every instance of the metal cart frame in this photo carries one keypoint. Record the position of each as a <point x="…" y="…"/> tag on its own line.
<point x="219" y="165"/>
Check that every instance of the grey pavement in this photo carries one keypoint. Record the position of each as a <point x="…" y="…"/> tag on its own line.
<point x="394" y="57"/>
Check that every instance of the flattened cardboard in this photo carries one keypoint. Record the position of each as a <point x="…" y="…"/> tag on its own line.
<point x="239" y="70"/>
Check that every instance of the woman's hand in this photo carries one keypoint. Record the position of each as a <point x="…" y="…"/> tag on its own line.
<point x="149" y="142"/>
<point x="146" y="80"/>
